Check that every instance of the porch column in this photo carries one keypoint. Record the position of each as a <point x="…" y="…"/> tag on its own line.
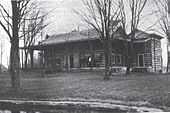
<point x="76" y="60"/>
<point x="68" y="58"/>
<point x="67" y="62"/>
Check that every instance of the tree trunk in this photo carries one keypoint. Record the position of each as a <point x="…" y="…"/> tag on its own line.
<point x="130" y="57"/>
<point x="14" y="65"/>
<point x="26" y="59"/>
<point x="22" y="60"/>
<point x="14" y="53"/>
<point x="107" y="53"/>
<point x="91" y="55"/>
<point x="167" y="67"/>
<point x="32" y="58"/>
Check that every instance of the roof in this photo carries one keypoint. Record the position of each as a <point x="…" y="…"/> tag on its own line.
<point x="153" y="35"/>
<point x="77" y="36"/>
<point x="139" y="34"/>
<point x="73" y="36"/>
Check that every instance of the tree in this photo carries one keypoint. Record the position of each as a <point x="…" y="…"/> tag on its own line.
<point x="162" y="13"/>
<point x="33" y="24"/>
<point x="1" y="52"/>
<point x="134" y="10"/>
<point x="102" y="15"/>
<point x="11" y="25"/>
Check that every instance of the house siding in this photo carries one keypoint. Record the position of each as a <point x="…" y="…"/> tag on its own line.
<point x="59" y="56"/>
<point x="151" y="50"/>
<point x="148" y="59"/>
<point x="156" y="55"/>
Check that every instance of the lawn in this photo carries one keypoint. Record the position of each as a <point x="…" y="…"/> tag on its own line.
<point x="89" y="85"/>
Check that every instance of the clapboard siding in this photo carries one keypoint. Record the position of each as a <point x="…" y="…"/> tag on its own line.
<point x="156" y="55"/>
<point x="148" y="59"/>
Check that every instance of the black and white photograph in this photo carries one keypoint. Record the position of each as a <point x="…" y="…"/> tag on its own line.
<point x="84" y="56"/>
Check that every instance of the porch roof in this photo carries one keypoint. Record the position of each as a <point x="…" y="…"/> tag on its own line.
<point x="73" y="36"/>
<point x="85" y="35"/>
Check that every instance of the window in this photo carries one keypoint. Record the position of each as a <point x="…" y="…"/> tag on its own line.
<point x="140" y="60"/>
<point x="99" y="57"/>
<point x="118" y="59"/>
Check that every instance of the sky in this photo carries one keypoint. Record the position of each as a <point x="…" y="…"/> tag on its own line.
<point x="62" y="19"/>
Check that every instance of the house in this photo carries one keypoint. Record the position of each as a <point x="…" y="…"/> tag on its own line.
<point x="83" y="50"/>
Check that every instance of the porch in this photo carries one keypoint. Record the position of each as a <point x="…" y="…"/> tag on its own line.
<point x="89" y="54"/>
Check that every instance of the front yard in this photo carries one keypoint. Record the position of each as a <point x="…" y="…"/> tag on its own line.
<point x="89" y="85"/>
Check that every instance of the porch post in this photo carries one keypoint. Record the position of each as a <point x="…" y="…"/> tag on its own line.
<point x="76" y="60"/>
<point x="154" y="55"/>
<point x="67" y="62"/>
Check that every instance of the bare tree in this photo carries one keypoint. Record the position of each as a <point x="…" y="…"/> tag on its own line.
<point x="162" y="13"/>
<point x="33" y="24"/>
<point x="11" y="25"/>
<point x="132" y="9"/>
<point x="1" y="52"/>
<point x="103" y="16"/>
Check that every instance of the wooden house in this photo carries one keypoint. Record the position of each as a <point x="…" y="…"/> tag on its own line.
<point x="83" y="50"/>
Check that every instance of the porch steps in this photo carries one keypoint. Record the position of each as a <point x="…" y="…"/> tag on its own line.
<point x="141" y="69"/>
<point x="118" y="70"/>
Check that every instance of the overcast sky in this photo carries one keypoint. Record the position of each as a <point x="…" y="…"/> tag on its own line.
<point x="63" y="19"/>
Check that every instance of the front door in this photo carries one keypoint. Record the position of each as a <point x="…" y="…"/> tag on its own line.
<point x="141" y="60"/>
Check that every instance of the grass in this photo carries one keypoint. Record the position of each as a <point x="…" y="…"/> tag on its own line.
<point x="153" y="88"/>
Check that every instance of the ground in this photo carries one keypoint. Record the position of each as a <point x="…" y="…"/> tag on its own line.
<point x="154" y="88"/>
